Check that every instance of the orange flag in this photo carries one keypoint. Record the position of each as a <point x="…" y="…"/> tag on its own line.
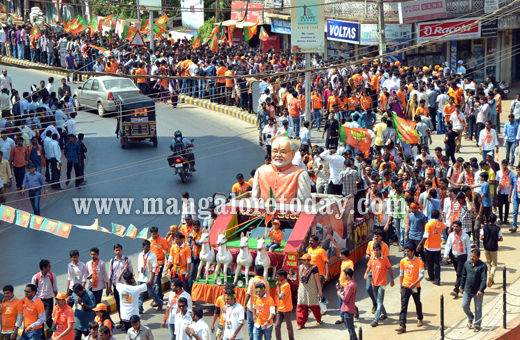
<point x="406" y="130"/>
<point x="356" y="137"/>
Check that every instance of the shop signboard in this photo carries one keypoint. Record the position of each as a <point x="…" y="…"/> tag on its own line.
<point x="343" y="31"/>
<point x="272" y="41"/>
<point x="453" y="54"/>
<point x="394" y="34"/>
<point x="394" y="57"/>
<point x="307" y="26"/>
<point x="192" y="13"/>
<point x="420" y="10"/>
<point x="490" y="6"/>
<point x="427" y="31"/>
<point x="489" y="29"/>
<point x="253" y="14"/>
<point x="280" y="26"/>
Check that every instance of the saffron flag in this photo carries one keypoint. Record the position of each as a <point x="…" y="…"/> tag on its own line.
<point x="64" y="229"/>
<point x="231" y="32"/>
<point x="162" y="20"/>
<point x="129" y="33"/>
<point x="263" y="34"/>
<point x="159" y="29"/>
<point x="3" y="8"/>
<point x="99" y="48"/>
<point x="221" y="30"/>
<point x="405" y="130"/>
<point x="355" y="137"/>
<point x="93" y="26"/>
<point x="36" y="222"/>
<point x="131" y="231"/>
<point x="249" y="32"/>
<point x="95" y="225"/>
<point x="51" y="226"/>
<point x="214" y="43"/>
<point x="145" y="25"/>
<point x="36" y="31"/>
<point x="118" y="230"/>
<point x="106" y="21"/>
<point x="23" y="218"/>
<point x="8" y="214"/>
<point x="196" y="41"/>
<point x="214" y="32"/>
<point x="78" y="25"/>
<point x="143" y="234"/>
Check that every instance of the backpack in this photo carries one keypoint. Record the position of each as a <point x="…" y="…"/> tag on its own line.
<point x="39" y="275"/>
<point x="178" y="147"/>
<point x="112" y="264"/>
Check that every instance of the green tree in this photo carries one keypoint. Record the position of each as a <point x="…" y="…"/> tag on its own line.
<point x="204" y="31"/>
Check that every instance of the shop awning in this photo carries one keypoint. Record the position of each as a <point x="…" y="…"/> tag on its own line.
<point x="239" y="24"/>
<point x="278" y="16"/>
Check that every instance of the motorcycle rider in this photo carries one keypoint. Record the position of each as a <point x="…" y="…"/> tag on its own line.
<point x="181" y="148"/>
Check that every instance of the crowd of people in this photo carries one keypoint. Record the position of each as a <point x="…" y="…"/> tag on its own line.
<point x="418" y="199"/>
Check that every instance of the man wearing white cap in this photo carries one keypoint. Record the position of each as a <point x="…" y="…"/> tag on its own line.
<point x="461" y="69"/>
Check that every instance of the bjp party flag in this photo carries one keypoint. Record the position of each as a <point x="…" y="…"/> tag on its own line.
<point x="118" y="230"/>
<point x="8" y="214"/>
<point x="36" y="222"/>
<point x="23" y="218"/>
<point x="355" y="137"/>
<point x="64" y="230"/>
<point x="405" y="130"/>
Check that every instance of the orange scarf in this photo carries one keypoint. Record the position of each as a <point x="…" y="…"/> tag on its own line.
<point x="94" y="279"/>
<point x="456" y="174"/>
<point x="470" y="180"/>
<point x="504" y="181"/>
<point x="487" y="140"/>
<point x="458" y="246"/>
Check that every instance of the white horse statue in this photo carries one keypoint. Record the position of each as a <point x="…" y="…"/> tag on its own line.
<point x="224" y="257"/>
<point x="207" y="254"/>
<point x="244" y="258"/>
<point x="262" y="258"/>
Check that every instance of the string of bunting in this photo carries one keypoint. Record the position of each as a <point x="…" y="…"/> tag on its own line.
<point x="27" y="220"/>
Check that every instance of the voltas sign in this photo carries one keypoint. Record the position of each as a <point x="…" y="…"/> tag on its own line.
<point x="343" y="31"/>
<point x="427" y="31"/>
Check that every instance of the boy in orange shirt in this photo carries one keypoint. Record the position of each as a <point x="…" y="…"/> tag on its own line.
<point x="284" y="305"/>
<point x="449" y="109"/>
<point x="432" y="244"/>
<point x="366" y="101"/>
<point x="11" y="309"/>
<point x="276" y="236"/>
<point x="422" y="109"/>
<point x="264" y="310"/>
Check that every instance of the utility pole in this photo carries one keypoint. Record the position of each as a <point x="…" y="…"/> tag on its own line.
<point x="308" y="101"/>
<point x="152" y="45"/>
<point x="217" y="8"/>
<point x="138" y="12"/>
<point x="381" y="23"/>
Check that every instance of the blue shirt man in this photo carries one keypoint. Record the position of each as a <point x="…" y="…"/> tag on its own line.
<point x="84" y="301"/>
<point x="368" y="120"/>
<point x="485" y="192"/>
<point x="510" y="134"/>
<point x="416" y="221"/>
<point x="72" y="151"/>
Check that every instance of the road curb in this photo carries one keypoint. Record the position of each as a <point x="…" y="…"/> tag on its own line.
<point x="31" y="63"/>
<point x="229" y="110"/>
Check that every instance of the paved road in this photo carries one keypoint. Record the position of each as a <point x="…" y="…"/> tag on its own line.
<point x="225" y="146"/>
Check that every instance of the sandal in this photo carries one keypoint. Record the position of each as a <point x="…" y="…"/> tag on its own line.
<point x="476" y="329"/>
<point x="338" y="322"/>
<point x="470" y="325"/>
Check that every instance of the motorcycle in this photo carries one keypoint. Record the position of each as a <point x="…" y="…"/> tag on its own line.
<point x="504" y="89"/>
<point x="181" y="165"/>
<point x="182" y="168"/>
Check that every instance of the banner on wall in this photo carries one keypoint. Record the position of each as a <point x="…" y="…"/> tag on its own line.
<point x="272" y="41"/>
<point x="343" y="31"/>
<point x="420" y="10"/>
<point x="280" y="26"/>
<point x="394" y="34"/>
<point x="307" y="26"/>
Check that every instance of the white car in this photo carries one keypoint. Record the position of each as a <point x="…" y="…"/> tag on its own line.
<point x="100" y="93"/>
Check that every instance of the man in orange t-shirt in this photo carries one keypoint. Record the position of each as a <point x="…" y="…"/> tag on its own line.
<point x="11" y="309"/>
<point x="402" y="96"/>
<point x="229" y="86"/>
<point x="160" y="247"/>
<point x="179" y="260"/>
<point x="319" y="258"/>
<point x="264" y="310"/>
<point x="141" y="82"/>
<point x="294" y="113"/>
<point x="284" y="305"/>
<point x="63" y="318"/>
<point x="449" y="109"/>
<point x="221" y="82"/>
<point x="366" y="101"/>
<point x="33" y="313"/>
<point x="432" y="244"/>
<point x="379" y="265"/>
<point x="352" y="102"/>
<point x="456" y="92"/>
<point x="411" y="274"/>
<point x="240" y="187"/>
<point x="422" y="109"/>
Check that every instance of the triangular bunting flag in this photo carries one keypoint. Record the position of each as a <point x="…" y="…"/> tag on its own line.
<point x="65" y="229"/>
<point x="118" y="230"/>
<point x="131" y="231"/>
<point x="23" y="218"/>
<point x="143" y="234"/>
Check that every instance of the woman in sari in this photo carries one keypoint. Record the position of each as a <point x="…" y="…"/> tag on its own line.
<point x="411" y="107"/>
<point x="309" y="292"/>
<point x="173" y="87"/>
<point x="395" y="104"/>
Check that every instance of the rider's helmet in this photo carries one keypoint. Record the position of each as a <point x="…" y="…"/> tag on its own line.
<point x="178" y="134"/>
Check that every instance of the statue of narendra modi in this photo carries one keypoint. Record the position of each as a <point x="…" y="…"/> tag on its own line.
<point x="287" y="180"/>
